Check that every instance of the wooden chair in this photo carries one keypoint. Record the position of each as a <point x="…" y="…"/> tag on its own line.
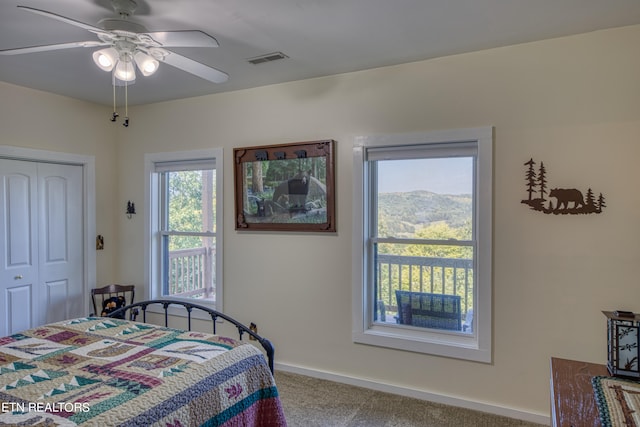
<point x="429" y="310"/>
<point x="100" y="295"/>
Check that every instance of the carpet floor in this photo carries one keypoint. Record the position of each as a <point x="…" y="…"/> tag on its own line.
<point x="312" y="402"/>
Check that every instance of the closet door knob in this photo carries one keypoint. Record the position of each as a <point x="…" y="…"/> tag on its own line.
<point x="18" y="277"/>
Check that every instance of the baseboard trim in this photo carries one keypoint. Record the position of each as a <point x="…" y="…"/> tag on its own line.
<point x="418" y="394"/>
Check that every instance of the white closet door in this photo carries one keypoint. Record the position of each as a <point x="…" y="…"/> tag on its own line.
<point x="61" y="289"/>
<point x="41" y="226"/>
<point x="19" y="244"/>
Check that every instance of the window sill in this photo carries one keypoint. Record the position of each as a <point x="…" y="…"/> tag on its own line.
<point x="455" y="345"/>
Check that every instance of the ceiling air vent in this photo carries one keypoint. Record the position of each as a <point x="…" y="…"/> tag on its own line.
<point x="269" y="57"/>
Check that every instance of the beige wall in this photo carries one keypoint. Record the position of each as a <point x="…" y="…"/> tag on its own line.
<point x="573" y="103"/>
<point x="43" y="121"/>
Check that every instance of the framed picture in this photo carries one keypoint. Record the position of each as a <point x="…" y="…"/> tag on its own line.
<point x="285" y="187"/>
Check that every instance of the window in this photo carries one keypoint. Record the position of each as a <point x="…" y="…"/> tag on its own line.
<point x="185" y="226"/>
<point x="422" y="254"/>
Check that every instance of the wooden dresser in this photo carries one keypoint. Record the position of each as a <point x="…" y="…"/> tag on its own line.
<point x="572" y="399"/>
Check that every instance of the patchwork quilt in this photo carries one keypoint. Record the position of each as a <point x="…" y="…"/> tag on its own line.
<point x="111" y="372"/>
<point x="618" y="401"/>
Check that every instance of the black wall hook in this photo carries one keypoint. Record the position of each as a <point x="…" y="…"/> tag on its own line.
<point x="131" y="209"/>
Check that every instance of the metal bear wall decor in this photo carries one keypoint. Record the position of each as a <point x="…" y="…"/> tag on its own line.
<point x="561" y="201"/>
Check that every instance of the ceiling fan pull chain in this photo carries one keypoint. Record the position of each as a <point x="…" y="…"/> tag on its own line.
<point x="114" y="115"/>
<point x="126" y="105"/>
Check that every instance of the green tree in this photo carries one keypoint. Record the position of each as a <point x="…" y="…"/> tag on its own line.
<point x="186" y="211"/>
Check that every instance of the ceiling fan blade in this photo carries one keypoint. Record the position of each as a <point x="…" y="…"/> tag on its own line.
<point x="63" y="19"/>
<point x="195" y="68"/>
<point x="44" y="48"/>
<point x="186" y="38"/>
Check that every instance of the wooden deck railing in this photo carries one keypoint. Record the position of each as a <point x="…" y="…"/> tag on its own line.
<point x="423" y="274"/>
<point x="191" y="272"/>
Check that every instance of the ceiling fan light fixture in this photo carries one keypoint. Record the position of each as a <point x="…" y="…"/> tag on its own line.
<point x="125" y="71"/>
<point x="105" y="59"/>
<point x="145" y="63"/>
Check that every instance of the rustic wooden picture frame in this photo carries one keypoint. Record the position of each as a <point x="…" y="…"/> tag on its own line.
<point x="285" y="187"/>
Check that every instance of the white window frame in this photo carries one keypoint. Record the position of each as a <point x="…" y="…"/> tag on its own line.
<point x="476" y="346"/>
<point x="153" y="255"/>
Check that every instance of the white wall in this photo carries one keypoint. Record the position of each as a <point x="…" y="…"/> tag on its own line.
<point x="573" y="103"/>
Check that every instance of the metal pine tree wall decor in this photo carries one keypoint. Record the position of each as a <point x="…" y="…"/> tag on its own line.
<point x="559" y="201"/>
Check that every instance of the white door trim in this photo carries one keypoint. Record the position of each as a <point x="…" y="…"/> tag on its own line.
<point x="89" y="184"/>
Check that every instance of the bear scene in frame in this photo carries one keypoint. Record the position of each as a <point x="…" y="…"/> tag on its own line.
<point x="285" y="187"/>
<point x="544" y="198"/>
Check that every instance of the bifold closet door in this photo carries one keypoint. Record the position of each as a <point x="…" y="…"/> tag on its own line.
<point x="19" y="250"/>
<point x="41" y="252"/>
<point x="61" y="291"/>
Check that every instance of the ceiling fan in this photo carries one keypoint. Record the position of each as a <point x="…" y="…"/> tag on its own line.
<point x="127" y="42"/>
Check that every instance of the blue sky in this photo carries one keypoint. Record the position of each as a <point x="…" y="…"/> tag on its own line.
<point x="450" y="175"/>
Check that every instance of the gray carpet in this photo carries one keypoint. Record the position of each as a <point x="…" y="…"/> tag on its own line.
<point x="311" y="402"/>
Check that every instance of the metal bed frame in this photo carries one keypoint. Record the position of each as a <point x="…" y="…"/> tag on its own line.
<point x="134" y="312"/>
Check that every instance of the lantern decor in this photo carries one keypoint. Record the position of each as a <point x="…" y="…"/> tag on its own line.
<point x="623" y="339"/>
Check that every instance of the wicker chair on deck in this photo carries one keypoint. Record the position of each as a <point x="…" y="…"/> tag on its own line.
<point x="428" y="310"/>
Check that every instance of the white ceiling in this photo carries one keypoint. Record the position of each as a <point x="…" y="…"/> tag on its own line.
<point x="321" y="37"/>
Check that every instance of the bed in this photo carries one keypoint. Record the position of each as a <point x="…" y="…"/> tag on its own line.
<point x="119" y="371"/>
